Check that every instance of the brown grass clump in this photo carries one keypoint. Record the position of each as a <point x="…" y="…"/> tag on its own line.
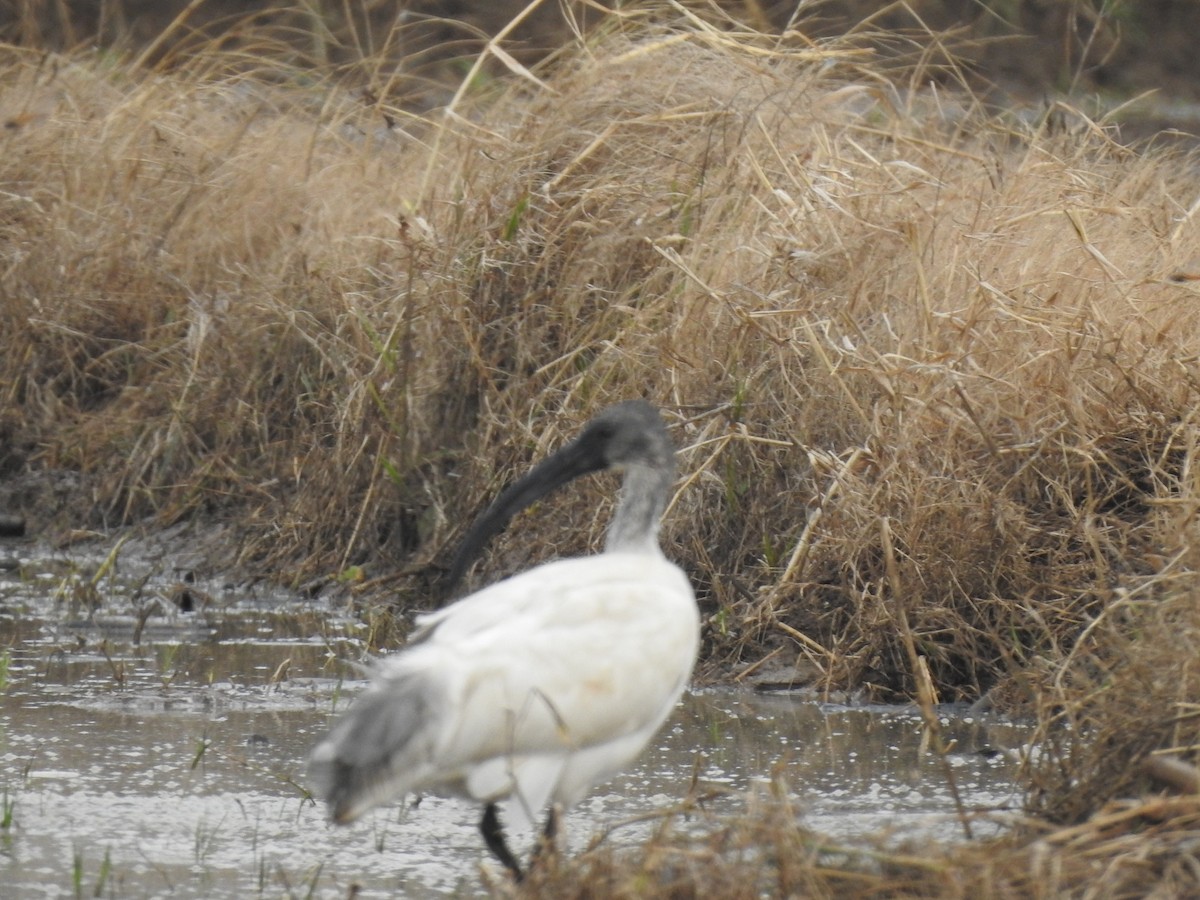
<point x="916" y="353"/>
<point x="1130" y="850"/>
<point x="919" y="357"/>
<point x="202" y="291"/>
<point x="1118" y="717"/>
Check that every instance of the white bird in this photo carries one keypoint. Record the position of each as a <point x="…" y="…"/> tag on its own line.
<point x="535" y="689"/>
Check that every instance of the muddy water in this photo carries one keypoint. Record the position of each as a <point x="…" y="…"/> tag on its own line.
<point x="175" y="767"/>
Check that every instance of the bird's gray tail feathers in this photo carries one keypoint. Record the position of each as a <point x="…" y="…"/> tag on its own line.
<point x="374" y="753"/>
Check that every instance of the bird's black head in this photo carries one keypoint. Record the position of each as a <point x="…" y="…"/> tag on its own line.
<point x="624" y="435"/>
<point x="627" y="434"/>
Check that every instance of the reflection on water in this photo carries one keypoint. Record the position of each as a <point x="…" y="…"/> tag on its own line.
<point x="175" y="768"/>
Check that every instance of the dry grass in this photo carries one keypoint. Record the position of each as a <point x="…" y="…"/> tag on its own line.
<point x="933" y="372"/>
<point x="1127" y="851"/>
<point x="869" y="307"/>
<point x="1121" y="705"/>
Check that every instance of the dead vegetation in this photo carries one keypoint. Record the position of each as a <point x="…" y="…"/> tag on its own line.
<point x="933" y="373"/>
<point x="1130" y="850"/>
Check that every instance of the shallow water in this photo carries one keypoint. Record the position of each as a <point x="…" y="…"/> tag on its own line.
<point x="176" y="767"/>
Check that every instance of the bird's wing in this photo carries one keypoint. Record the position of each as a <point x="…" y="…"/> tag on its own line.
<point x="509" y="681"/>
<point x="567" y="655"/>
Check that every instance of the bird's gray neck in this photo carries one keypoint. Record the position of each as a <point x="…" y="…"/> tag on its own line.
<point x="644" y="495"/>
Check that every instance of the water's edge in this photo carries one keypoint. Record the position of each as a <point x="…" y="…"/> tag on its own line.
<point x="175" y="767"/>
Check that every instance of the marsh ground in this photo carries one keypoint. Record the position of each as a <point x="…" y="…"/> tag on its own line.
<point x="931" y="365"/>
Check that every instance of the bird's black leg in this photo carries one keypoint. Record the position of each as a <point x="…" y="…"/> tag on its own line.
<point x="546" y="843"/>
<point x="493" y="836"/>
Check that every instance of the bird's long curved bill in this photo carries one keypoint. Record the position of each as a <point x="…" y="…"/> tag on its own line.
<point x="577" y="458"/>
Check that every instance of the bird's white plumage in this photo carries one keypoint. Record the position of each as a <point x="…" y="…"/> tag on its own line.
<point x="544" y="684"/>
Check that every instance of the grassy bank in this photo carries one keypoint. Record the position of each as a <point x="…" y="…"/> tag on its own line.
<point x="932" y="371"/>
